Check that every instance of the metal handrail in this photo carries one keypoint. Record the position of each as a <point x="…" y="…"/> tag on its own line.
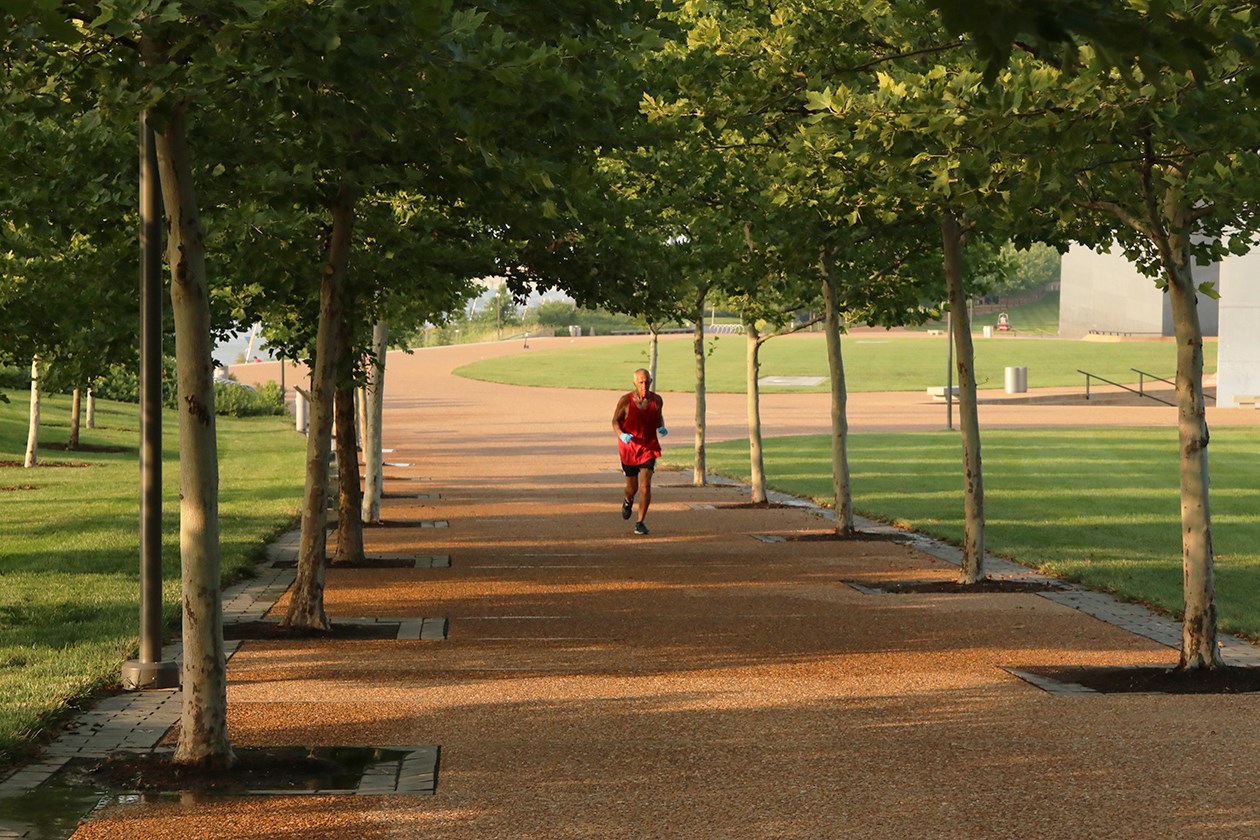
<point x="1089" y="376"/>
<point x="1142" y="380"/>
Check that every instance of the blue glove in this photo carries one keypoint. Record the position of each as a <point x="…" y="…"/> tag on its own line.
<point x="662" y="432"/>
<point x="626" y="437"/>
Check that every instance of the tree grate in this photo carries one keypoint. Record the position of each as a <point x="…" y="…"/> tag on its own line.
<point x="84" y="785"/>
<point x="1138" y="679"/>
<point x="383" y="561"/>
<point x="344" y="629"/>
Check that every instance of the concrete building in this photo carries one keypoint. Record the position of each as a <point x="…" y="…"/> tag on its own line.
<point x="1104" y="294"/>
<point x="1238" y="355"/>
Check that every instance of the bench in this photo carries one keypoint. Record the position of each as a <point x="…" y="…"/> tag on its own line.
<point x="937" y="392"/>
<point x="1252" y="400"/>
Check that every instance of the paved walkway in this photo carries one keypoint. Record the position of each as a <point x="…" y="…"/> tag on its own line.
<point x="698" y="683"/>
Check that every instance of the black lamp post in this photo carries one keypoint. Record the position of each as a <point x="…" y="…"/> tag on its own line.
<point x="149" y="671"/>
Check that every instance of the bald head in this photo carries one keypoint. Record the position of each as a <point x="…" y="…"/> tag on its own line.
<point x="642" y="382"/>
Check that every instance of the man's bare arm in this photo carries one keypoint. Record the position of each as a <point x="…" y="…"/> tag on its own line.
<point x="623" y="408"/>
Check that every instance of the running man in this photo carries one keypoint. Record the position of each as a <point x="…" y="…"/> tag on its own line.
<point x="639" y="425"/>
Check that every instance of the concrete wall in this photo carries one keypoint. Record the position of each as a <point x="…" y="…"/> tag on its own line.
<point x="1104" y="293"/>
<point x="1238" y="354"/>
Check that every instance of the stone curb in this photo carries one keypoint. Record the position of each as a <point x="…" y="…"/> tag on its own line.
<point x="138" y="720"/>
<point x="1134" y="618"/>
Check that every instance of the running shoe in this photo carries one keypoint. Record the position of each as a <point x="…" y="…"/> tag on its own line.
<point x="627" y="507"/>
<point x="640" y="528"/>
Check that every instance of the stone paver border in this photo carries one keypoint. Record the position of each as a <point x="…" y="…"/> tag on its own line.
<point x="137" y="721"/>
<point x="1134" y="618"/>
<point x="1065" y="689"/>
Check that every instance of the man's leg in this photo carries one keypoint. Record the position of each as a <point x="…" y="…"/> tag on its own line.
<point x="646" y="499"/>
<point x="631" y="488"/>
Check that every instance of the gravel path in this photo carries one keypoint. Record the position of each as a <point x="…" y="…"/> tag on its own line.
<point x="700" y="683"/>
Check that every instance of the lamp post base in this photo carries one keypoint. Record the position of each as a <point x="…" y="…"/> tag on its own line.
<point x="139" y="676"/>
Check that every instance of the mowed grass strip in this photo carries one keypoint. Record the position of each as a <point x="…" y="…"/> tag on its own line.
<point x="69" y="546"/>
<point x="873" y="361"/>
<point x="1098" y="506"/>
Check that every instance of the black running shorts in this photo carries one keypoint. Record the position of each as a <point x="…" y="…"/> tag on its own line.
<point x="633" y="469"/>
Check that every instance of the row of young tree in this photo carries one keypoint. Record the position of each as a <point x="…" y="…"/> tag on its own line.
<point x="822" y="155"/>
<point x="326" y="168"/>
<point x="332" y="168"/>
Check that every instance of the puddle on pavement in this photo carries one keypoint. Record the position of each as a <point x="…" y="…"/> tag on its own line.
<point x="55" y="809"/>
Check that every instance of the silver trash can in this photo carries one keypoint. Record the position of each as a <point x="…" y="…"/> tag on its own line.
<point x="1016" y="380"/>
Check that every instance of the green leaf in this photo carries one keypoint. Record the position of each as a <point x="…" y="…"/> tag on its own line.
<point x="816" y="100"/>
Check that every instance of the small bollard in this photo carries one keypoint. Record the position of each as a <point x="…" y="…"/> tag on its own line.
<point x="301" y="410"/>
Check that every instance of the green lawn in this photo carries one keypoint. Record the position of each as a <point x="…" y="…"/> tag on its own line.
<point x="873" y="362"/>
<point x="1039" y="318"/>
<point x="1099" y="506"/>
<point x="69" y="554"/>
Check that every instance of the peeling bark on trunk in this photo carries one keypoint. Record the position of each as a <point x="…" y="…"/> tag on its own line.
<point x="203" y="735"/>
<point x="972" y="569"/>
<point x="374" y="402"/>
<point x="349" y="496"/>
<point x="756" y="458"/>
<point x="306" y="607"/>
<point x="1199" y="648"/>
<point x="840" y="479"/>
<point x="76" y="419"/>
<point x="699" y="476"/>
<point x="32" y="427"/>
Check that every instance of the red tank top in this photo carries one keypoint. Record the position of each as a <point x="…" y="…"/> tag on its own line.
<point x="642" y="423"/>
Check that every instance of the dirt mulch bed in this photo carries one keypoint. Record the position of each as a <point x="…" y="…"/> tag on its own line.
<point x="759" y="506"/>
<point x="832" y="536"/>
<point x="1230" y="679"/>
<point x="914" y="587"/>
<point x="396" y="523"/>
<point x="43" y="464"/>
<point x="369" y="563"/>
<point x="86" y="447"/>
<point x="257" y="768"/>
<point x="274" y="631"/>
<point x="18" y="487"/>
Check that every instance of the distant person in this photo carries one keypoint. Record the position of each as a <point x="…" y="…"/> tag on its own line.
<point x="639" y="425"/>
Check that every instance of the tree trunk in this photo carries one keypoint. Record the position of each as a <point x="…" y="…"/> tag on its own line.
<point x="972" y="569"/>
<point x="349" y="496"/>
<point x="306" y="607"/>
<point x="373" y="456"/>
<point x="654" y="347"/>
<point x="1199" y="648"/>
<point x="699" y="472"/>
<point x="840" y="480"/>
<point x="203" y="736"/>
<point x="356" y="410"/>
<point x="91" y="409"/>
<point x="360" y="418"/>
<point x="32" y="427"/>
<point x="76" y="418"/>
<point x="756" y="459"/>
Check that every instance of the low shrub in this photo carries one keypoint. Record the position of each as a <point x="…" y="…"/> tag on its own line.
<point x="232" y="399"/>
